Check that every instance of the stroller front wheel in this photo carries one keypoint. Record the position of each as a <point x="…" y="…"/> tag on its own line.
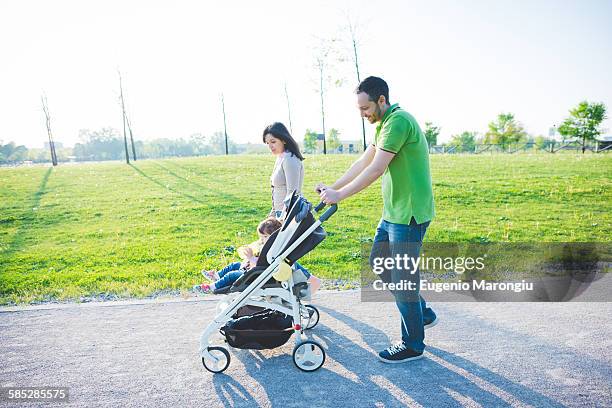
<point x="221" y="363"/>
<point x="308" y="356"/>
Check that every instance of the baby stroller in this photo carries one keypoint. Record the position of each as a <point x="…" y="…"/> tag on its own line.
<point x="264" y="306"/>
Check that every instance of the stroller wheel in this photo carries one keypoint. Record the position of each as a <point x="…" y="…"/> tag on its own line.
<point x="313" y="317"/>
<point x="308" y="356"/>
<point x="222" y="362"/>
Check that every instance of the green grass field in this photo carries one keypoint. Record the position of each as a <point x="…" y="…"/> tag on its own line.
<point x="108" y="228"/>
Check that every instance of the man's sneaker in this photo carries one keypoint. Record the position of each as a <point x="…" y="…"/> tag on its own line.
<point x="399" y="353"/>
<point x="212" y="274"/>
<point x="428" y="323"/>
<point x="203" y="288"/>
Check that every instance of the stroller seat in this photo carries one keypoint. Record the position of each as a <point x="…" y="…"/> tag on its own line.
<point x="245" y="280"/>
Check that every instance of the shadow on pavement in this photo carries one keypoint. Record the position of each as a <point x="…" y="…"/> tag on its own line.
<point x="353" y="375"/>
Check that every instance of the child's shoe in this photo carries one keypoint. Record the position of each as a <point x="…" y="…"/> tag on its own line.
<point x="212" y="274"/>
<point x="203" y="288"/>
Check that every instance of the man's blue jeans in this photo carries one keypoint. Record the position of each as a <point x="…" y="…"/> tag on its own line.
<point x="392" y="240"/>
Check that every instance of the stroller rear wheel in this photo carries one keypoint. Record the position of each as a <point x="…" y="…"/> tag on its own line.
<point x="222" y="360"/>
<point x="308" y="356"/>
<point x="313" y="317"/>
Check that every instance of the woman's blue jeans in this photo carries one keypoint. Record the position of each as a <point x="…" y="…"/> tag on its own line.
<point x="393" y="240"/>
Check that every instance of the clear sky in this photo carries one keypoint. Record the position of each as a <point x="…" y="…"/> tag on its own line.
<point x="456" y="64"/>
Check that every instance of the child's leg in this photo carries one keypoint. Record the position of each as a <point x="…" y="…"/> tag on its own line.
<point x="315" y="284"/>
<point x="229" y="268"/>
<point x="313" y="281"/>
<point x="228" y="279"/>
<point x="301" y="268"/>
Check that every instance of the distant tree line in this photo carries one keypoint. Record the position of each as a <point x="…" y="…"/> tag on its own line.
<point x="506" y="133"/>
<point x="11" y="153"/>
<point x="107" y="144"/>
<point x="311" y="139"/>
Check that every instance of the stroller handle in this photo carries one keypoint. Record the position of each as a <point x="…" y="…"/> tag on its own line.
<point x="330" y="211"/>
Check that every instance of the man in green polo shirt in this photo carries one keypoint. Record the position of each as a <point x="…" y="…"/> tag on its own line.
<point x="400" y="155"/>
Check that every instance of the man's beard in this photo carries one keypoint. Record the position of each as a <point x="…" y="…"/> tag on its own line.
<point x="377" y="114"/>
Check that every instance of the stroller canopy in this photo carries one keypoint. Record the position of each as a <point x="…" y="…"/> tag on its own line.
<point x="299" y="218"/>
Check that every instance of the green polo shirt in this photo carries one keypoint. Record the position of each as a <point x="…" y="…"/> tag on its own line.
<point x="406" y="182"/>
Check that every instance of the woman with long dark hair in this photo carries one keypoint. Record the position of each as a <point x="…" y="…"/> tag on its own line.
<point x="288" y="173"/>
<point x="287" y="176"/>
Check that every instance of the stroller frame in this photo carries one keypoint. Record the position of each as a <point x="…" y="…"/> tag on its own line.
<point x="308" y="355"/>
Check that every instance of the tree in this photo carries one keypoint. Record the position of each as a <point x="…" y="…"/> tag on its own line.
<point x="127" y="155"/>
<point x="321" y="66"/>
<point x="200" y="145"/>
<point x="310" y="141"/>
<point x="431" y="133"/>
<point x="326" y="54"/>
<point x="220" y="143"/>
<point x="5" y="151"/>
<point x="355" y="43"/>
<point x="583" y="122"/>
<point x="288" y="109"/>
<point x="543" y="143"/>
<point x="224" y="126"/>
<point x="505" y="131"/>
<point x="103" y="144"/>
<point x="333" y="141"/>
<point x="11" y="153"/>
<point x="48" y="123"/>
<point x="464" y="142"/>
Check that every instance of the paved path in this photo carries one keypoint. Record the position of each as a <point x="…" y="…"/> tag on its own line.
<point x="481" y="354"/>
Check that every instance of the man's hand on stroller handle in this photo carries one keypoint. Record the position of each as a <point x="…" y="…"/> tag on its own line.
<point x="330" y="196"/>
<point x="319" y="187"/>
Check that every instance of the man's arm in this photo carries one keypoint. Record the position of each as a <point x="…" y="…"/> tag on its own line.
<point x="369" y="175"/>
<point x="356" y="168"/>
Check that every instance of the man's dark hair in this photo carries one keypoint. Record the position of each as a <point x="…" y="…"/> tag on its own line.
<point x="374" y="87"/>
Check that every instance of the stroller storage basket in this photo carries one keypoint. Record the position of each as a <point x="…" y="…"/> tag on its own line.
<point x="248" y="310"/>
<point x="264" y="330"/>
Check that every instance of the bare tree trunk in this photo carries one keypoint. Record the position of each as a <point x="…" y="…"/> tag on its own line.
<point x="288" y="109"/>
<point x="127" y="154"/>
<point x="354" y="42"/>
<point x="126" y="120"/>
<point x="224" y="125"/>
<point x="129" y="125"/>
<point x="322" y="104"/>
<point x="48" y="123"/>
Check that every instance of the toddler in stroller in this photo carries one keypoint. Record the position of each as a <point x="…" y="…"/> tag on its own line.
<point x="276" y="291"/>
<point x="249" y="254"/>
